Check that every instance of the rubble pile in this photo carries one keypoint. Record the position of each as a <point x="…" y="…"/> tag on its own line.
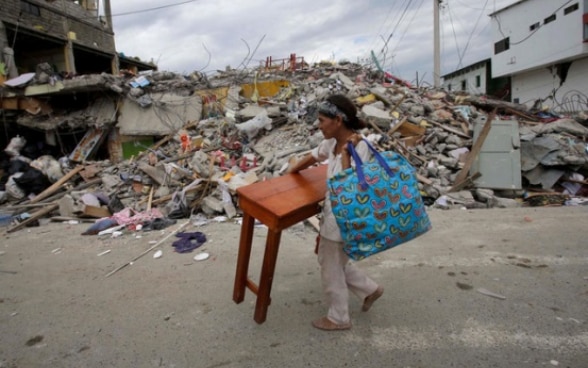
<point x="246" y="126"/>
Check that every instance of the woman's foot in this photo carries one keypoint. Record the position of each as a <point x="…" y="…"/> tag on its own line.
<point x="327" y="325"/>
<point x="370" y="299"/>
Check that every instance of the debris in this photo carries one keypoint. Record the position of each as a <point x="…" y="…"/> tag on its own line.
<point x="201" y="256"/>
<point x="222" y="132"/>
<point x="187" y="242"/>
<point x="490" y="294"/>
<point x="147" y="251"/>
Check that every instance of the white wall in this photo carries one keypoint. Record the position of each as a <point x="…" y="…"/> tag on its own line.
<point x="544" y="84"/>
<point x="561" y="39"/>
<point x="470" y="78"/>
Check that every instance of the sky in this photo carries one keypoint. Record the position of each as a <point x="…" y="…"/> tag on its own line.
<point x="208" y="35"/>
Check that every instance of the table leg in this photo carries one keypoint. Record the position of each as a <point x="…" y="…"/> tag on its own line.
<point x="245" y="243"/>
<point x="267" y="275"/>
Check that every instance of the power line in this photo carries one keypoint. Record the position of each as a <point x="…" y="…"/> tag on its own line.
<point x="155" y="8"/>
<point x="408" y="25"/>
<point x="408" y="3"/>
<point x="453" y="29"/>
<point x="470" y="37"/>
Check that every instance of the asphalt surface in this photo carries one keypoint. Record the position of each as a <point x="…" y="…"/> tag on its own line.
<point x="484" y="288"/>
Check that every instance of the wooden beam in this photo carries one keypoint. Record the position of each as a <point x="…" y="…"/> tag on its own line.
<point x="450" y="130"/>
<point x="476" y="148"/>
<point x="467" y="181"/>
<point x="34" y="216"/>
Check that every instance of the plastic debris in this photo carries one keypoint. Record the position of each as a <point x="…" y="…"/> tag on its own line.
<point x="158" y="254"/>
<point x="491" y="294"/>
<point x="201" y="256"/>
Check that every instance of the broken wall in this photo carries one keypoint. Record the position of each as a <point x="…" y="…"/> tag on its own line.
<point x="167" y="114"/>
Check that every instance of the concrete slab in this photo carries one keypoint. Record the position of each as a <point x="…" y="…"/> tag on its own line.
<point x="167" y="114"/>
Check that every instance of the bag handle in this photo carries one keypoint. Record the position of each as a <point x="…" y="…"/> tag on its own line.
<point x="359" y="163"/>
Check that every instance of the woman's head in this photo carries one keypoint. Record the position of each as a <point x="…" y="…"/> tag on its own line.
<point x="339" y="106"/>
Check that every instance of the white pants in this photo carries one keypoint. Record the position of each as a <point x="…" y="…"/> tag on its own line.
<point x="338" y="275"/>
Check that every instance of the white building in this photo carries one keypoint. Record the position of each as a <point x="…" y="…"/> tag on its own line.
<point x="476" y="79"/>
<point x="542" y="45"/>
<point x="471" y="79"/>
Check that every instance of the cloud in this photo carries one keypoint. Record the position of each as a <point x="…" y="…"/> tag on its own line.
<point x="208" y="35"/>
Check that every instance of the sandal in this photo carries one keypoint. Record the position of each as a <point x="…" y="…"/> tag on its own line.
<point x="370" y="299"/>
<point x="326" y="324"/>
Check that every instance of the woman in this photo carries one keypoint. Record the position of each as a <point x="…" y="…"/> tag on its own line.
<point x="339" y="123"/>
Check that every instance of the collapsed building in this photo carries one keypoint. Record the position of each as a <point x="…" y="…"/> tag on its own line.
<point x="132" y="145"/>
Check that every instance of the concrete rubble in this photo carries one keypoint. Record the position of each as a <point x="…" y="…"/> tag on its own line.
<point x="217" y="134"/>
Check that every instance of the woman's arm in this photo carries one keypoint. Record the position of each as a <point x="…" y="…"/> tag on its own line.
<point x="305" y="162"/>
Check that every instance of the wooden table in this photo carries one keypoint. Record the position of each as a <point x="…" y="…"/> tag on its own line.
<point x="278" y="203"/>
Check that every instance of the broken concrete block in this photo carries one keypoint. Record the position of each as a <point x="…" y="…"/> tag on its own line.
<point x="212" y="205"/>
<point x="507" y="203"/>
<point x="347" y="82"/>
<point x="252" y="127"/>
<point x="417" y="110"/>
<point x="200" y="163"/>
<point x="484" y="195"/>
<point x="448" y="161"/>
<point x="377" y="116"/>
<point x="441" y="115"/>
<point x="67" y="206"/>
<point x="455" y="140"/>
<point x="250" y="111"/>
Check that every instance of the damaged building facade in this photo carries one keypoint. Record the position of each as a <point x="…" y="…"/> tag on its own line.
<point x="54" y="59"/>
<point x="542" y="46"/>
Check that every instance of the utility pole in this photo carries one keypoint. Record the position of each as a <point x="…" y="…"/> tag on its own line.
<point x="436" y="46"/>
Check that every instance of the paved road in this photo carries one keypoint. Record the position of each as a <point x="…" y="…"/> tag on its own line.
<point x="58" y="310"/>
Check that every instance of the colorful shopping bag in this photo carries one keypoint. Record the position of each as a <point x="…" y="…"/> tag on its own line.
<point x="377" y="204"/>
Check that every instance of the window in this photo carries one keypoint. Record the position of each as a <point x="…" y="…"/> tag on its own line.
<point x="29" y="8"/>
<point x="534" y="26"/>
<point x="463" y="85"/>
<point x="549" y="19"/>
<point x="449" y="87"/>
<point x="571" y="8"/>
<point x="501" y="46"/>
<point x="478" y="81"/>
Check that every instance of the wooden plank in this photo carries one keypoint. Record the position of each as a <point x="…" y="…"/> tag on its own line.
<point x="34" y="216"/>
<point x="95" y="212"/>
<point x="461" y="176"/>
<point x="148" y="250"/>
<point x="53" y="188"/>
<point x="450" y="130"/>
<point x="397" y="126"/>
<point x="410" y="129"/>
<point x="467" y="181"/>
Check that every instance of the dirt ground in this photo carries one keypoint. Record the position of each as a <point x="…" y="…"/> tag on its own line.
<point x="58" y="308"/>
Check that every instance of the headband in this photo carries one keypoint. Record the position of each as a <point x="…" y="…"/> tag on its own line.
<point x="330" y="109"/>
